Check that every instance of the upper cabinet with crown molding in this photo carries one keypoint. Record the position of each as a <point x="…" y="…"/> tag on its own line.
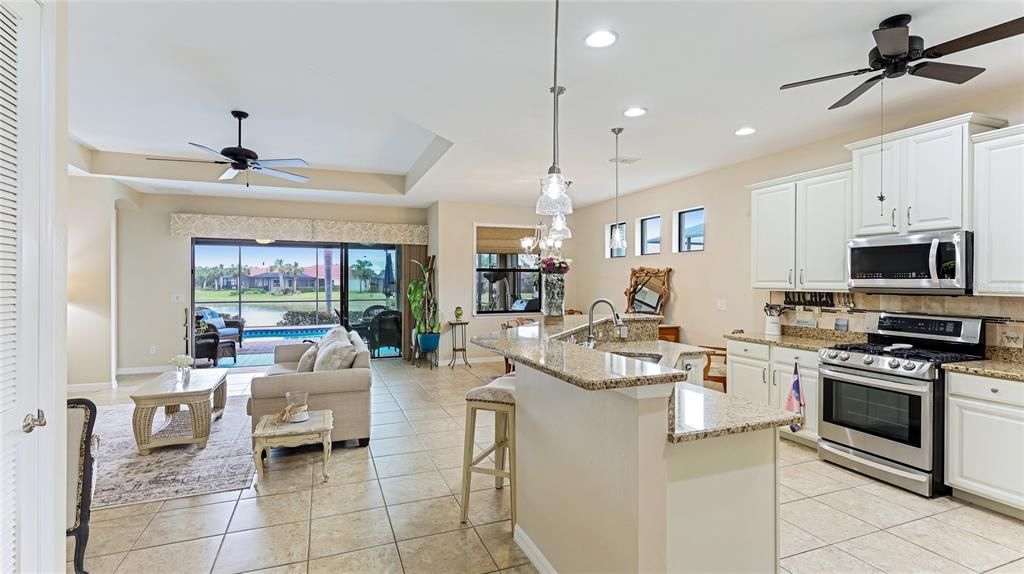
<point x="999" y="212"/>
<point x="799" y="229"/>
<point x="917" y="179"/>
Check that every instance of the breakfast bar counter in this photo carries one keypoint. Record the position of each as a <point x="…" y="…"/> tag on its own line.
<point x="623" y="466"/>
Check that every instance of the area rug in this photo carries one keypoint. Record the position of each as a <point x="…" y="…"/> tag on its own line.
<point x="126" y="477"/>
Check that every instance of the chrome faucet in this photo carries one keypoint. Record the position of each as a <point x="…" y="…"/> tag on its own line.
<point x="591" y="341"/>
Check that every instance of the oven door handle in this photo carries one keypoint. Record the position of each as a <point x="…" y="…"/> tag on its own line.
<point x="872" y="464"/>
<point x="857" y="379"/>
<point x="933" y="264"/>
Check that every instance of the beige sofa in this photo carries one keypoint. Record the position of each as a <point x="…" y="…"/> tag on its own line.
<point x="345" y="391"/>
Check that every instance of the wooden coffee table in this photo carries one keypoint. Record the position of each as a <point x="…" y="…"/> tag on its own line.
<point x="189" y="427"/>
<point x="270" y="434"/>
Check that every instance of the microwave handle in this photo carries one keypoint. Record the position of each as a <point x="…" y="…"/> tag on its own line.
<point x="933" y="254"/>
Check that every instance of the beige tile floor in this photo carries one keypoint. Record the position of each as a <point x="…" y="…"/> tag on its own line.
<point x="395" y="507"/>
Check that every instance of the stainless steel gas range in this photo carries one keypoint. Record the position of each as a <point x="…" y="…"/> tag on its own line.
<point x="883" y="402"/>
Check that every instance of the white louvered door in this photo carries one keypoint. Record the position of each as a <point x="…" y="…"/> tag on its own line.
<point x="21" y="545"/>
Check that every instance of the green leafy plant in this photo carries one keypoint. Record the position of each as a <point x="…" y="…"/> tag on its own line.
<point x="421" y="300"/>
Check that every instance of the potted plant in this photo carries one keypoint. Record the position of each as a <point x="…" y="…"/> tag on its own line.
<point x="424" y="308"/>
<point x="553" y="270"/>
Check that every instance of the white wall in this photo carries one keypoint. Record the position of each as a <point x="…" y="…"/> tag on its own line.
<point x="722" y="271"/>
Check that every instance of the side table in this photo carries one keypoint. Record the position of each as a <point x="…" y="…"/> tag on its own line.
<point x="270" y="434"/>
<point x="459" y="342"/>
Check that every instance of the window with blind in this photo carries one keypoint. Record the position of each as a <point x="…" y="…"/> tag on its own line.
<point x="504" y="281"/>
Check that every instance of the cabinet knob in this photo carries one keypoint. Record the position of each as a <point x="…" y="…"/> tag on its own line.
<point x="994" y="390"/>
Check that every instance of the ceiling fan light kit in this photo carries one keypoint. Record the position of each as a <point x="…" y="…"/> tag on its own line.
<point x="895" y="51"/>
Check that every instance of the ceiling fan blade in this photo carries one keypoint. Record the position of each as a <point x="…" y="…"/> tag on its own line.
<point x="857" y="92"/>
<point x="210" y="150"/>
<point x="953" y="73"/>
<point x="826" y="78"/>
<point x="230" y="173"/>
<point x="979" y="38"/>
<point x="293" y="162"/>
<point x="187" y="160"/>
<point x="892" y="41"/>
<point x="281" y="174"/>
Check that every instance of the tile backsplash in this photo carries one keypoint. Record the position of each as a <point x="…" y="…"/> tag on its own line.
<point x="1005" y="328"/>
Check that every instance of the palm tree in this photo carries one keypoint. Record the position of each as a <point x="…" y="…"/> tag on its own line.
<point x="219" y="273"/>
<point x="281" y="268"/>
<point x="362" y="270"/>
<point x="296" y="270"/>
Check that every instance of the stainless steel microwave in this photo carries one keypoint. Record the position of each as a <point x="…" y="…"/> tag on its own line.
<point x="939" y="263"/>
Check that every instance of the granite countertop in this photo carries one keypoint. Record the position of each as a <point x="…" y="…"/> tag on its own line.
<point x="539" y="345"/>
<point x="996" y="369"/>
<point x="788" y="341"/>
<point x="696" y="413"/>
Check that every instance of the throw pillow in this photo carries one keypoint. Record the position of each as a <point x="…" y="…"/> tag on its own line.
<point x="336" y="334"/>
<point x="308" y="360"/>
<point x="217" y="322"/>
<point x="334" y="356"/>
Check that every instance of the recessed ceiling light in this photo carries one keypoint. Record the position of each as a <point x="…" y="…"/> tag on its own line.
<point x="746" y="131"/>
<point x="634" y="112"/>
<point x="601" y="38"/>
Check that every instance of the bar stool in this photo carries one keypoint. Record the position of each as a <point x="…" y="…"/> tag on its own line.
<point x="499" y="397"/>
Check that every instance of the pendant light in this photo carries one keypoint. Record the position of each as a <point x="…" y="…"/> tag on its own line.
<point x="618" y="241"/>
<point x="554" y="198"/>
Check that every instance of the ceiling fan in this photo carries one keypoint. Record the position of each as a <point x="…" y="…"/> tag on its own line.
<point x="895" y="49"/>
<point x="239" y="159"/>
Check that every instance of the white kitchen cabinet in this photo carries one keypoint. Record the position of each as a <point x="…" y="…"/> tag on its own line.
<point x="984" y="439"/>
<point x="799" y="229"/>
<point x="783" y="360"/>
<point x="773" y="237"/>
<point x="822" y="231"/>
<point x="763" y="375"/>
<point x="936" y="162"/>
<point x="999" y="212"/>
<point x="748" y="379"/>
<point x="922" y="173"/>
<point x="877" y="168"/>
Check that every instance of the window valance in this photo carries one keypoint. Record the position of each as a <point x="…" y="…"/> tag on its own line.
<point x="210" y="226"/>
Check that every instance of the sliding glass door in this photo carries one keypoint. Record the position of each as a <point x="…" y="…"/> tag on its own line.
<point x="281" y="290"/>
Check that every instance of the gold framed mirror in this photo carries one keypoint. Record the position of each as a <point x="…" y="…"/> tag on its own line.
<point x="648" y="290"/>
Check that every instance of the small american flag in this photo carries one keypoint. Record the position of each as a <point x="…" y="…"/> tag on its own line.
<point x="795" y="400"/>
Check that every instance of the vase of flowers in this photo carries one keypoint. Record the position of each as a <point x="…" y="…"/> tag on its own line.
<point x="184" y="365"/>
<point x="553" y="270"/>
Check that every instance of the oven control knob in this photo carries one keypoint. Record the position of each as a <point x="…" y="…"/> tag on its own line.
<point x="844" y="356"/>
<point x="833" y="354"/>
<point x="868" y="359"/>
<point x="909" y="366"/>
<point x="894" y="363"/>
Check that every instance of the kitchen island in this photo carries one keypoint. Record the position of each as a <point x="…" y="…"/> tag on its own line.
<point x="622" y="466"/>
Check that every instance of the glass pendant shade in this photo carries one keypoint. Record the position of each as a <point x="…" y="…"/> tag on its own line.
<point x="618" y="241"/>
<point x="547" y="205"/>
<point x="554" y="185"/>
<point x="559" y="230"/>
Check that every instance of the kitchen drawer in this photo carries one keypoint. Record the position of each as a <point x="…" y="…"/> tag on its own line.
<point x="754" y="351"/>
<point x="786" y="356"/>
<point x="986" y="388"/>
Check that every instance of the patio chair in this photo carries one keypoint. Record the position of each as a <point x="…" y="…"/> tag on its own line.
<point x="228" y="329"/>
<point x="385" y="331"/>
<point x="372" y="311"/>
<point x="210" y="346"/>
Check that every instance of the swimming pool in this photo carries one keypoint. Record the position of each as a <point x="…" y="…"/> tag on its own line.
<point x="287" y="333"/>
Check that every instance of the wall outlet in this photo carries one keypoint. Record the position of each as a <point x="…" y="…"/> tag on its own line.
<point x="177" y="298"/>
<point x="721" y="305"/>
<point x="152" y="349"/>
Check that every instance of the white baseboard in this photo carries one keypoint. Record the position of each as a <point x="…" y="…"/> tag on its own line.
<point x="87" y="387"/>
<point x="532" y="552"/>
<point x="143" y="370"/>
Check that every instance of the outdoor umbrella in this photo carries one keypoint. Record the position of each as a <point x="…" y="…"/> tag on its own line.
<point x="389" y="276"/>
